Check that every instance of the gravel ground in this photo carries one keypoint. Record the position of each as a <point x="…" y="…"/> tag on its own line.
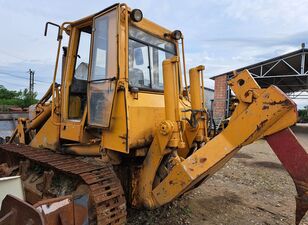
<point x="252" y="188"/>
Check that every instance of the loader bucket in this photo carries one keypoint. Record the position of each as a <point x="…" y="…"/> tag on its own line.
<point x="15" y="212"/>
<point x="295" y="160"/>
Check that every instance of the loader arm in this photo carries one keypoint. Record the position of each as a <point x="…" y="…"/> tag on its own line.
<point x="246" y="128"/>
<point x="260" y="113"/>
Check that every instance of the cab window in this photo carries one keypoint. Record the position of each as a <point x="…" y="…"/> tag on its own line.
<point x="103" y="69"/>
<point x="146" y="55"/>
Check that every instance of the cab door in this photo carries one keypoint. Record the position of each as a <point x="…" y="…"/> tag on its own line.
<point x="103" y="70"/>
<point x="75" y="83"/>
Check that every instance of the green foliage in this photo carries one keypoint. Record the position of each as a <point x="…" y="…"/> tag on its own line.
<point x="17" y="98"/>
<point x="303" y="114"/>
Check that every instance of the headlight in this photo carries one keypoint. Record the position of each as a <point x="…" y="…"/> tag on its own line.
<point x="177" y="35"/>
<point x="136" y="15"/>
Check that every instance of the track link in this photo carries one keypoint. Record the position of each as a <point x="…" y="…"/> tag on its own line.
<point x="105" y="188"/>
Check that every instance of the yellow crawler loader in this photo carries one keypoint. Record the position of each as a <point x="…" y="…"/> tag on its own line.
<point x="122" y="128"/>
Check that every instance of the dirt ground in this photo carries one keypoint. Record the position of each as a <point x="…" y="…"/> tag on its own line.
<point x="252" y="188"/>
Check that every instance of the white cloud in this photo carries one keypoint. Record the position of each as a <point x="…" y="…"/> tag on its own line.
<point x="269" y="12"/>
<point x="223" y="35"/>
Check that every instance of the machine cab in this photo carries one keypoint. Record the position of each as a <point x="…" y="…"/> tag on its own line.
<point x="113" y="51"/>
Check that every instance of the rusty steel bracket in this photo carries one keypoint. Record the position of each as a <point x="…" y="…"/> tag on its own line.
<point x="47" y="181"/>
<point x="17" y="212"/>
<point x="5" y="170"/>
<point x="57" y="211"/>
<point x="64" y="210"/>
<point x="294" y="158"/>
<point x="23" y="169"/>
<point x="45" y="185"/>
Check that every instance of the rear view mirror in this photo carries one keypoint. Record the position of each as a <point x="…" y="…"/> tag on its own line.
<point x="138" y="56"/>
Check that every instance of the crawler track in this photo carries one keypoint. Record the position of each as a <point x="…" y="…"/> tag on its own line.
<point x="106" y="192"/>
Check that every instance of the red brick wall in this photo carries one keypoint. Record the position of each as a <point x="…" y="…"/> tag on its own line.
<point x="220" y="97"/>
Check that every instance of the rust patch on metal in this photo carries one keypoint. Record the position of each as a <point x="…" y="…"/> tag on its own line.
<point x="261" y="124"/>
<point x="247" y="93"/>
<point x="285" y="102"/>
<point x="183" y="184"/>
<point x="202" y="160"/>
<point x="265" y="107"/>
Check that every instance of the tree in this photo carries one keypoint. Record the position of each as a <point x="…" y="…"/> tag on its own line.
<point x="303" y="114"/>
<point x="17" y="98"/>
<point x="28" y="98"/>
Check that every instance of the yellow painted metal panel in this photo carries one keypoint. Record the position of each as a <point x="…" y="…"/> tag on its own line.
<point x="115" y="138"/>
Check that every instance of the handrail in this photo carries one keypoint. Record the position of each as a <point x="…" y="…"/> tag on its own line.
<point x="55" y="73"/>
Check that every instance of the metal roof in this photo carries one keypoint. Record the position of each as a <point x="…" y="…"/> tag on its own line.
<point x="289" y="72"/>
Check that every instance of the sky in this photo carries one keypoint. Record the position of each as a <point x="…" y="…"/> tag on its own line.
<point x="222" y="35"/>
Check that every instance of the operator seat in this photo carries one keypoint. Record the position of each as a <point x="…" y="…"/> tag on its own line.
<point x="78" y="91"/>
<point x="136" y="77"/>
<point x="80" y="80"/>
